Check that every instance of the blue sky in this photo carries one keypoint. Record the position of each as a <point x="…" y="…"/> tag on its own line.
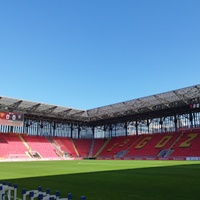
<point x="90" y="53"/>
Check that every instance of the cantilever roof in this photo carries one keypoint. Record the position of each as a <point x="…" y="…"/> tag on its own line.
<point x="155" y="102"/>
<point x="40" y="109"/>
<point x="160" y="101"/>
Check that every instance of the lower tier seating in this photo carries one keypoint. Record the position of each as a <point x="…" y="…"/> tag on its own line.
<point x="11" y="146"/>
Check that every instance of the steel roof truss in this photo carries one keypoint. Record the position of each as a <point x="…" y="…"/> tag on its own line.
<point x="181" y="96"/>
<point x="49" y="110"/>
<point x="78" y="113"/>
<point x="14" y="106"/>
<point x="65" y="112"/>
<point x="33" y="108"/>
<point x="162" y="101"/>
<point x="145" y="105"/>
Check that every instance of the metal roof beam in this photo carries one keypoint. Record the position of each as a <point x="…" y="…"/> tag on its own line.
<point x="78" y="113"/>
<point x="132" y="107"/>
<point x="144" y="105"/>
<point x="197" y="87"/>
<point x="65" y="112"/>
<point x="162" y="101"/>
<point x="33" y="108"/>
<point x="49" y="110"/>
<point x="14" y="106"/>
<point x="181" y="96"/>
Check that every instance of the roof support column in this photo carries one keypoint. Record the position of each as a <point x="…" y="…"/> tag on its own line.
<point x="38" y="126"/>
<point x="175" y="122"/>
<point x="11" y="129"/>
<point x="191" y="120"/>
<point x="110" y="131"/>
<point x="104" y="131"/>
<point x="93" y="128"/>
<point x="136" y="127"/>
<point x="115" y="130"/>
<point x="71" y="131"/>
<point x="79" y="130"/>
<point x="25" y="128"/>
<point x="125" y="127"/>
<point x="54" y="129"/>
<point x="148" y="125"/>
<point x="161" y="124"/>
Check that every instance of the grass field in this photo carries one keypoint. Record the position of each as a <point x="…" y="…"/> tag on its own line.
<point x="108" y="180"/>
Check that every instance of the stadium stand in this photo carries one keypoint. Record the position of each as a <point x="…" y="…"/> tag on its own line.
<point x="65" y="145"/>
<point x="160" y="145"/>
<point x="187" y="145"/>
<point x="98" y="146"/>
<point x="83" y="146"/>
<point x="11" y="146"/>
<point x="40" y="146"/>
<point x="151" y="146"/>
<point x="117" y="146"/>
<point x="161" y="126"/>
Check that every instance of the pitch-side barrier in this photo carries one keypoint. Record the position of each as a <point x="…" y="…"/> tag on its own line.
<point x="9" y="192"/>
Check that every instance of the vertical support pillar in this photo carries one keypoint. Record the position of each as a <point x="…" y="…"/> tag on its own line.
<point x="148" y="125"/>
<point x="110" y="130"/>
<point x="104" y="131"/>
<point x="115" y="130"/>
<point x="161" y="125"/>
<point x="79" y="130"/>
<point x="191" y="120"/>
<point x="136" y="127"/>
<point x="38" y="125"/>
<point x="194" y="119"/>
<point x="93" y="128"/>
<point x="175" y="123"/>
<point x="54" y="129"/>
<point x="11" y="129"/>
<point x="71" y="131"/>
<point x="25" y="128"/>
<point x="125" y="127"/>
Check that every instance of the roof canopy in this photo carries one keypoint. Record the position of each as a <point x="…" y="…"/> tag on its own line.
<point x="175" y="98"/>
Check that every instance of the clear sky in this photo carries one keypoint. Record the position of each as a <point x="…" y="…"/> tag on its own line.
<point x="90" y="53"/>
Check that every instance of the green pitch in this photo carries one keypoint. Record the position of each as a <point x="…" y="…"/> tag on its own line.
<point x="108" y="180"/>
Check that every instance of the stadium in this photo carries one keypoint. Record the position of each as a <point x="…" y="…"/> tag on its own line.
<point x="99" y="100"/>
<point x="160" y="132"/>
